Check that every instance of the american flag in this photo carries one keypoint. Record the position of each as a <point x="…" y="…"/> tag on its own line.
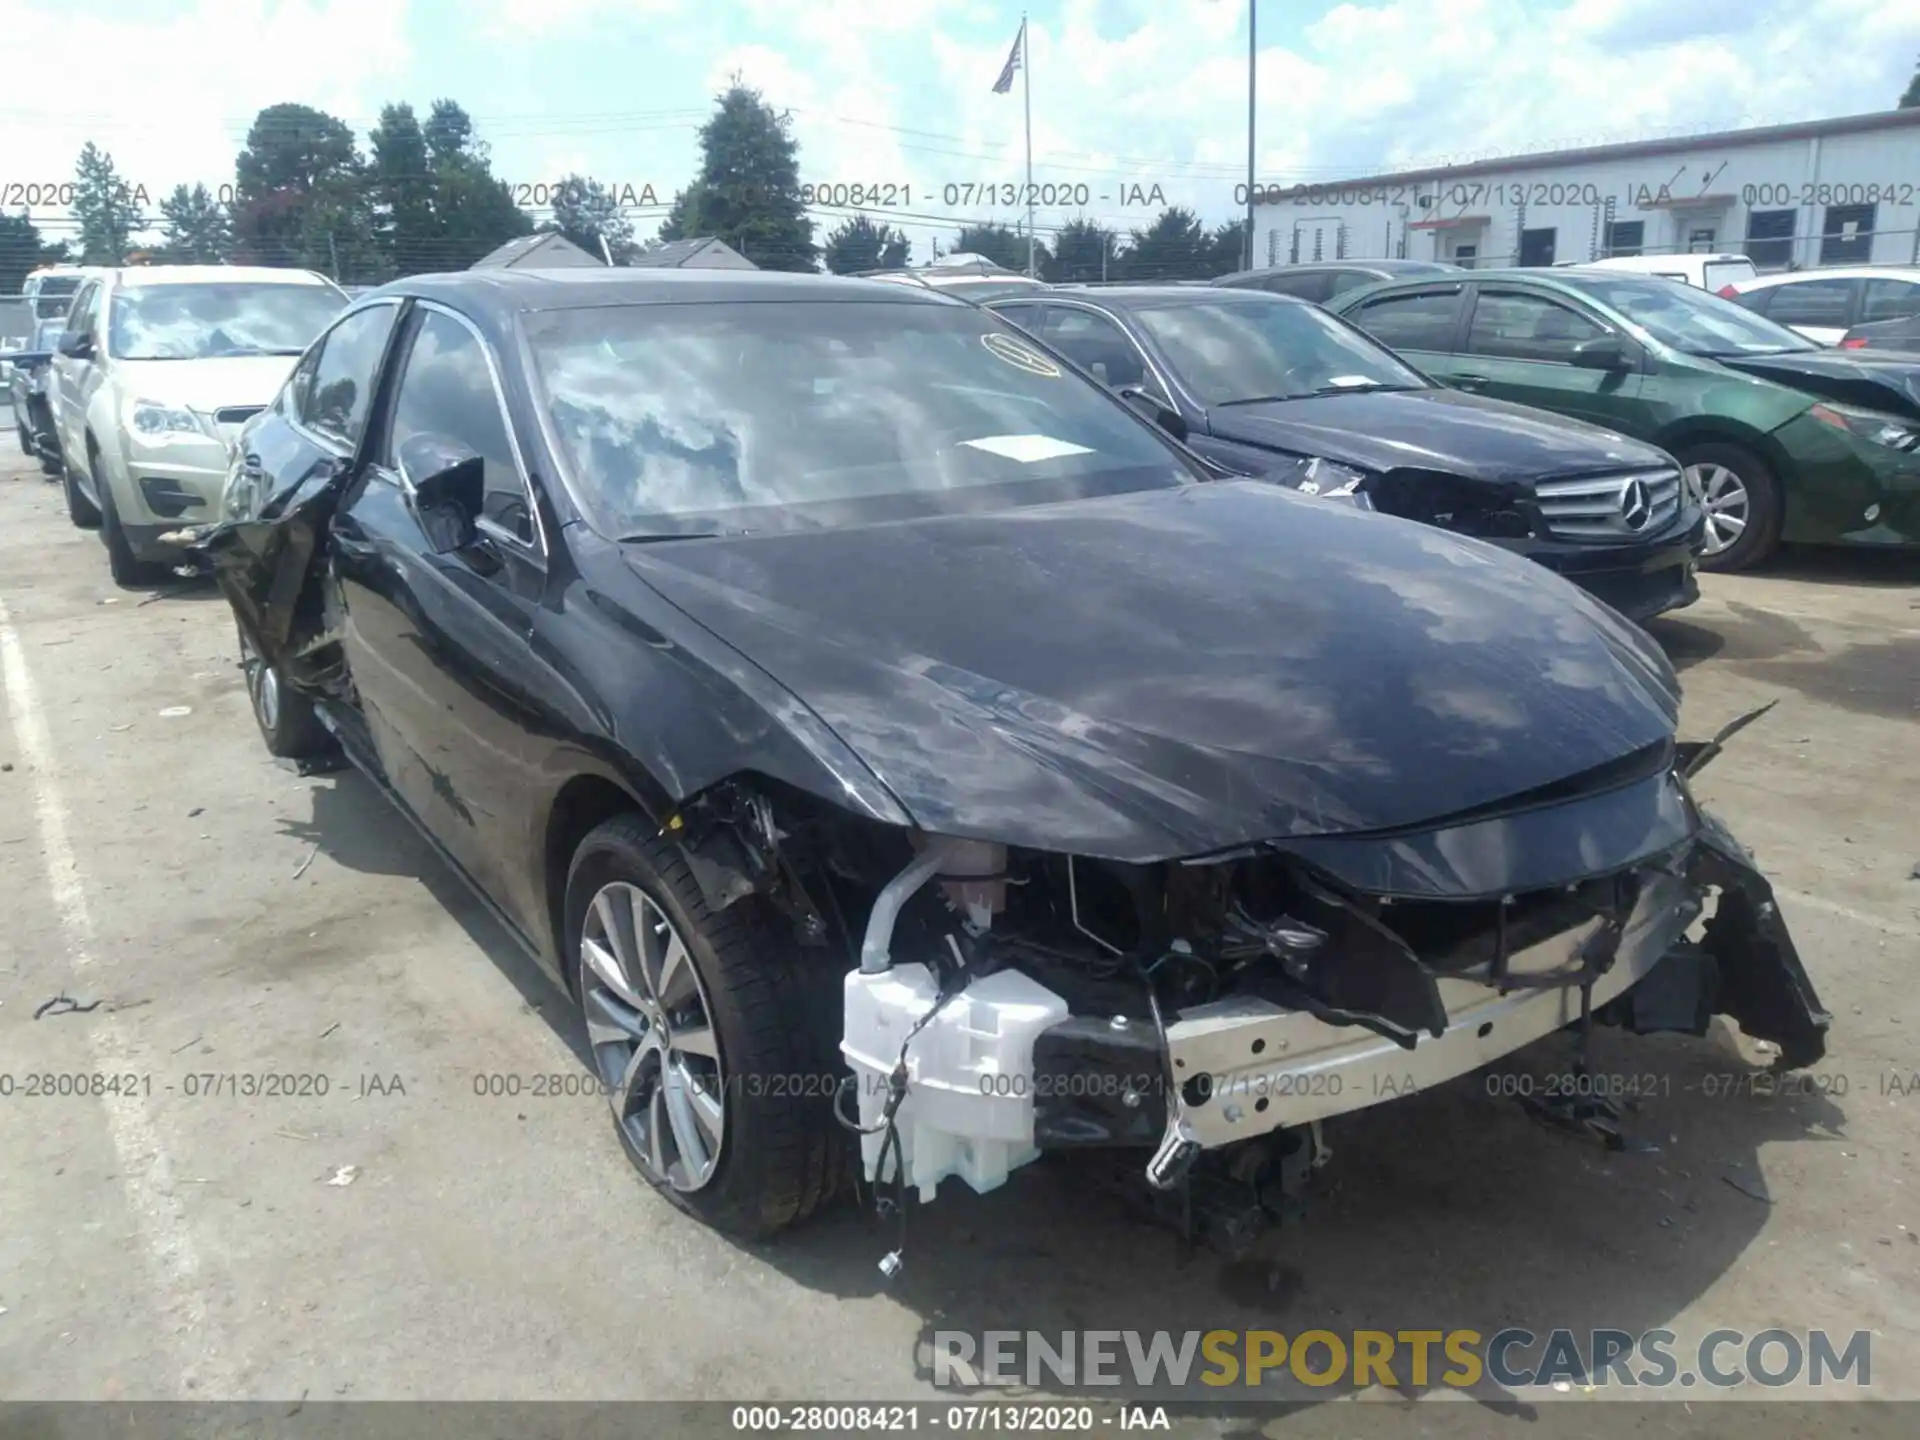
<point x="1005" y="82"/>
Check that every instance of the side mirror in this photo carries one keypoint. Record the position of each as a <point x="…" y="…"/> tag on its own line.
<point x="1163" y="415"/>
<point x="1604" y="352"/>
<point x="75" y="344"/>
<point x="448" y="500"/>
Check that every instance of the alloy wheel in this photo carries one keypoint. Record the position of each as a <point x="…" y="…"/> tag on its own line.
<point x="651" y="1030"/>
<point x="1723" y="495"/>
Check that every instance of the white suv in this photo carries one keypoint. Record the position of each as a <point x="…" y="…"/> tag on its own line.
<point x="156" y="371"/>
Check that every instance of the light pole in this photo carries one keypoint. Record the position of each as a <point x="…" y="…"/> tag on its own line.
<point x="1252" y="52"/>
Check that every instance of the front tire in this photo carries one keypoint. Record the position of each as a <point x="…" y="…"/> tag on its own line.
<point x="129" y="571"/>
<point x="82" y="511"/>
<point x="286" y="718"/>
<point x="709" y="1033"/>
<point x="1741" y="496"/>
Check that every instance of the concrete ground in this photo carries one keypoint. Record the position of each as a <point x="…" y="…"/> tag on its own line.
<point x="225" y="916"/>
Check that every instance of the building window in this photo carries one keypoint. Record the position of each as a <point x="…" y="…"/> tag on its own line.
<point x="1465" y="255"/>
<point x="1848" y="236"/>
<point x="1626" y="237"/>
<point x="1700" y="240"/>
<point x="1770" y="238"/>
<point x="1536" y="247"/>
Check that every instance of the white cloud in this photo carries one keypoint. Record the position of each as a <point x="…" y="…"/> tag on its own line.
<point x="163" y="95"/>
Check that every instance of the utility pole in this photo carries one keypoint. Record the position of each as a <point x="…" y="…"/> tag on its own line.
<point x="1253" y="51"/>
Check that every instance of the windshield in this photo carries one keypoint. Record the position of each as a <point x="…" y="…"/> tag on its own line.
<point x="1693" y="321"/>
<point x="1261" y="347"/>
<point x="680" y="419"/>
<point x="202" y="322"/>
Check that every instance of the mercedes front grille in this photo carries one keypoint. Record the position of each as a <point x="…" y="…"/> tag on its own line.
<point x="1609" y="507"/>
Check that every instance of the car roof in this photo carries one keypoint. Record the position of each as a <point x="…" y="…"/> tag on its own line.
<point x="500" y="292"/>
<point x="1159" y="296"/>
<point x="144" y="275"/>
<point x="1833" y="272"/>
<point x="1320" y="267"/>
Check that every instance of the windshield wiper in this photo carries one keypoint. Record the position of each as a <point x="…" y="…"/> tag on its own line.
<point x="1371" y="387"/>
<point x="1256" y="400"/>
<point x="656" y="537"/>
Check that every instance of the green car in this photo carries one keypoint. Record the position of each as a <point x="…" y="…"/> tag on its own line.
<point x="1781" y="439"/>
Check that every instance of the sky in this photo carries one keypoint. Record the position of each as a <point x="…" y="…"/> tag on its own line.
<point x="1142" y="102"/>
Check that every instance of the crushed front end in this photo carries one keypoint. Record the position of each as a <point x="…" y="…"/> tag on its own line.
<point x="1195" y="1020"/>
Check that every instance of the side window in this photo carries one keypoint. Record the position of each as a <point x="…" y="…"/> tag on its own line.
<point x="292" y="401"/>
<point x="334" y="401"/>
<point x="1096" y="344"/>
<point x="85" y="303"/>
<point x="447" y="408"/>
<point x="1890" y="299"/>
<point x="1526" y="327"/>
<point x="1411" y="322"/>
<point x="1812" y="302"/>
<point x="1025" y="316"/>
<point x="1345" y="280"/>
<point x="1316" y="285"/>
<point x="1759" y="301"/>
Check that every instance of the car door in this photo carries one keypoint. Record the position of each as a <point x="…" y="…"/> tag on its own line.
<point x="293" y="463"/>
<point x="1422" y="325"/>
<point x="1519" y="346"/>
<point x="1886" y="298"/>
<point x="75" y="377"/>
<point x="437" y="636"/>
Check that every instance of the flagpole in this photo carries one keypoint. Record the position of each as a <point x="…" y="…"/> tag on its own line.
<point x="1026" y="90"/>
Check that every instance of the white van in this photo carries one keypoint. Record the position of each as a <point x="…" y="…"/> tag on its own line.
<point x="1718" y="273"/>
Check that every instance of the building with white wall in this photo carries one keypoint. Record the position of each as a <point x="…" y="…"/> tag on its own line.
<point x="1827" y="192"/>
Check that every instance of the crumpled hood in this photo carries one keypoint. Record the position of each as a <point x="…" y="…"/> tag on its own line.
<point x="1444" y="430"/>
<point x="1882" y="380"/>
<point x="1175" y="672"/>
<point x="206" y="385"/>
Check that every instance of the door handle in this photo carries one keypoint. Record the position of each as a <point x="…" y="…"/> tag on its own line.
<point x="1472" y="382"/>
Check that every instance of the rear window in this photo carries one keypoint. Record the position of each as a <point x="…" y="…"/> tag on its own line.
<point x="1727" y="272"/>
<point x="679" y="419"/>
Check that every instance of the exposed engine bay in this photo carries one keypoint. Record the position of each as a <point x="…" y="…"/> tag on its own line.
<point x="1194" y="1021"/>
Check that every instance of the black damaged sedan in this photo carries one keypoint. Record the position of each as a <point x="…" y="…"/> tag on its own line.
<point x="898" y="747"/>
<point x="1268" y="385"/>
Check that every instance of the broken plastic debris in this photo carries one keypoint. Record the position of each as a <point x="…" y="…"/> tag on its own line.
<point x="344" y="1175"/>
<point x="175" y="711"/>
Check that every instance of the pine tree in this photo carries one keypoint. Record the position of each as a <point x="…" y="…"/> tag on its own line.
<point x="103" y="203"/>
<point x="586" y="213"/>
<point x="858" y="244"/>
<point x="194" y="228"/>
<point x="748" y="189"/>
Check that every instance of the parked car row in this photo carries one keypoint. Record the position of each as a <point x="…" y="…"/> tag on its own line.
<point x="136" y="401"/>
<point x="897" y="745"/>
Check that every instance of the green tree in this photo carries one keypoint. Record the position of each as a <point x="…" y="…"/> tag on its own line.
<point x="1174" y="247"/>
<point x="586" y="213"/>
<point x="400" y="191"/>
<point x="194" y="228"/>
<point x="857" y="244"/>
<point x="1910" y="97"/>
<point x="301" y="197"/>
<point x="22" y="251"/>
<point x="993" y="241"/>
<point x="748" y="190"/>
<point x="104" y="205"/>
<point x="473" y="212"/>
<point x="1083" y="250"/>
<point x="1226" y="249"/>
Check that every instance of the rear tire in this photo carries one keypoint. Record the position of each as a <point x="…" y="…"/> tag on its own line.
<point x="129" y="571"/>
<point x="287" y="720"/>
<point x="760" y="1010"/>
<point x="1742" y="498"/>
